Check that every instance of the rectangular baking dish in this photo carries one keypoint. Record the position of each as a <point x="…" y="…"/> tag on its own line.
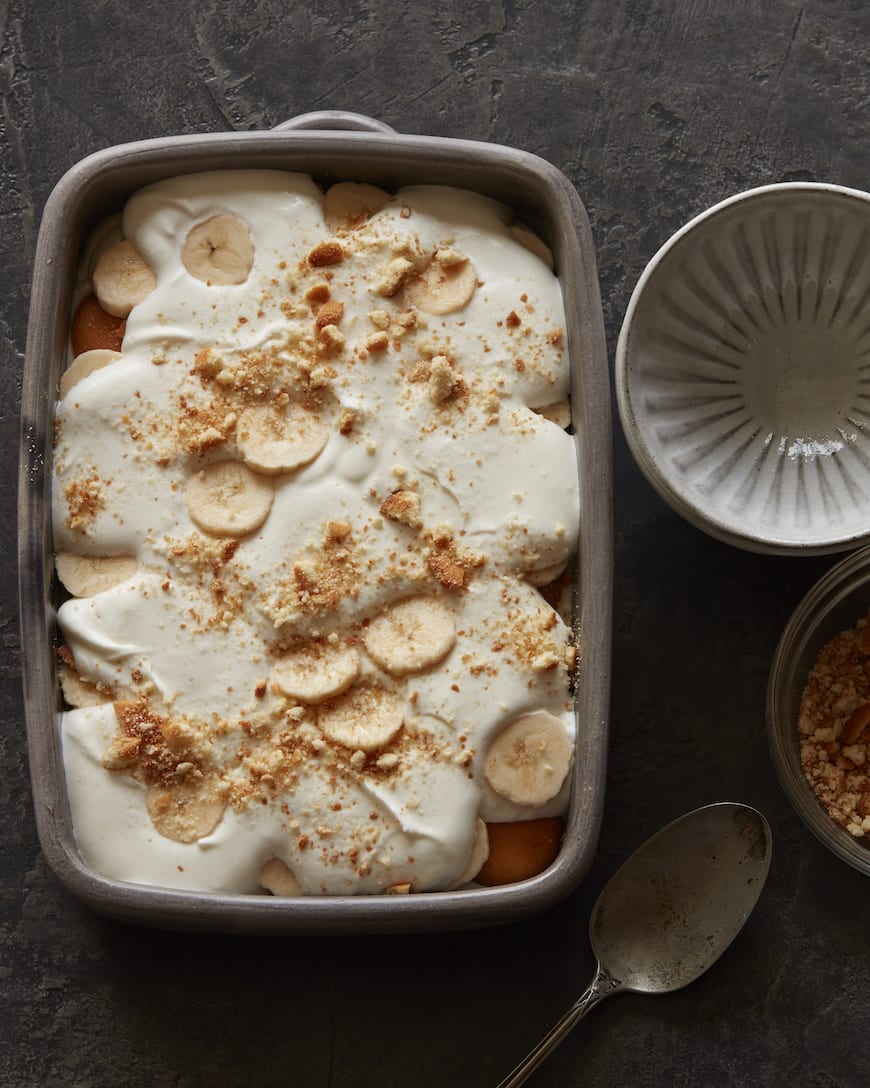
<point x="327" y="145"/>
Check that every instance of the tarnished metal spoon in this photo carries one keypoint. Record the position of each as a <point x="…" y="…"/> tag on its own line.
<point x="670" y="912"/>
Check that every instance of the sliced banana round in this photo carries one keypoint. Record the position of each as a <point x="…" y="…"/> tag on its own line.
<point x="365" y="718"/>
<point x="317" y="671"/>
<point x="442" y="288"/>
<point x="185" y="810"/>
<point x="122" y="279"/>
<point x="543" y="576"/>
<point x="559" y="412"/>
<point x="533" y="243"/>
<point x="274" y="441"/>
<point x="411" y="635"/>
<point x="227" y="499"/>
<point x="108" y="232"/>
<point x="86" y="364"/>
<point x="478" y="856"/>
<point x="219" y="251"/>
<point x="529" y="760"/>
<point x="277" y="877"/>
<point x="86" y="575"/>
<point x="347" y="205"/>
<point x="79" y="692"/>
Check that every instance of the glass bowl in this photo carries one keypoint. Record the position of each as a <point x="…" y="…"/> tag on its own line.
<point x="834" y="604"/>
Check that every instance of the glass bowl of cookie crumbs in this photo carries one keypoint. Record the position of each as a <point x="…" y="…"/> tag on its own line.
<point x="818" y="710"/>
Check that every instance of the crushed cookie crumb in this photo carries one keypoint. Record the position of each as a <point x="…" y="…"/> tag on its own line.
<point x="330" y="313"/>
<point x="325" y="254"/>
<point x="85" y="498"/>
<point x="377" y="341"/>
<point x="393" y="277"/>
<point x="834" y="728"/>
<point x="443" y="383"/>
<point x="317" y="295"/>
<point x="331" y="340"/>
<point x="449" y="571"/>
<point x="403" y="506"/>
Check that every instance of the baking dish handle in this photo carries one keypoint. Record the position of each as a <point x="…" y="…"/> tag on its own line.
<point x="334" y="119"/>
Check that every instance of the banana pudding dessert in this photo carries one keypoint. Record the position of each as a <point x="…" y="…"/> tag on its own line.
<point x="315" y="506"/>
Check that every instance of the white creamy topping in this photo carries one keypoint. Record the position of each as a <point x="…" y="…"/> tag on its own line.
<point x="431" y="478"/>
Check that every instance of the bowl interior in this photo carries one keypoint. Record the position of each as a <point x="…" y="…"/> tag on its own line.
<point x="833" y="605"/>
<point x="743" y="369"/>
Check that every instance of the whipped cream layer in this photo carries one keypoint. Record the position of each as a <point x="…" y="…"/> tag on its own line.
<point x="437" y="480"/>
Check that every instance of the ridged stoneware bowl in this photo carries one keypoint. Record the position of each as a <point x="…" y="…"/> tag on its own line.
<point x="743" y="370"/>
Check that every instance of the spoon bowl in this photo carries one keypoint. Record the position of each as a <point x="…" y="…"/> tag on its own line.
<point x="678" y="902"/>
<point x="670" y="911"/>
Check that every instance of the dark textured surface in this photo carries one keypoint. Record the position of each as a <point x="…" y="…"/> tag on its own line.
<point x="655" y="110"/>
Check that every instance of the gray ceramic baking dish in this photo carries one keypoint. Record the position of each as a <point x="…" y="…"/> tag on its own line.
<point x="327" y="145"/>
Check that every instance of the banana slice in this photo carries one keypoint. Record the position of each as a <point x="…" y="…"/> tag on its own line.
<point x="105" y="234"/>
<point x="559" y="413"/>
<point x="86" y="364"/>
<point x="318" y="671"/>
<point x="534" y="244"/>
<point x="93" y="328"/>
<point x="349" y="204"/>
<point x="186" y="810"/>
<point x="274" y="441"/>
<point x="227" y="499"/>
<point x="477" y="858"/>
<point x="402" y="888"/>
<point x="122" y="279"/>
<point x="278" y="878"/>
<point x="219" y="251"/>
<point x="411" y="635"/>
<point x="443" y="286"/>
<point x="543" y="576"/>
<point x="86" y="575"/>
<point x="79" y="692"/>
<point x="364" y="719"/>
<point x="528" y="761"/>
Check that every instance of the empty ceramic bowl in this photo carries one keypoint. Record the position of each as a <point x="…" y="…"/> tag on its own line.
<point x="743" y="370"/>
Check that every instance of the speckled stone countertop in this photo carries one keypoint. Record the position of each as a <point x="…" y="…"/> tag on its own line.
<point x="655" y="109"/>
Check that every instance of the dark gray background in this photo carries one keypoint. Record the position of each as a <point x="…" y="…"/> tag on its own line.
<point x="655" y="110"/>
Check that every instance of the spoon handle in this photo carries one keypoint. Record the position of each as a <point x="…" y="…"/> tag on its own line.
<point x="600" y="987"/>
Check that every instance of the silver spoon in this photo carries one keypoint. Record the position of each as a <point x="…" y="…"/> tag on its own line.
<point x="670" y="912"/>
